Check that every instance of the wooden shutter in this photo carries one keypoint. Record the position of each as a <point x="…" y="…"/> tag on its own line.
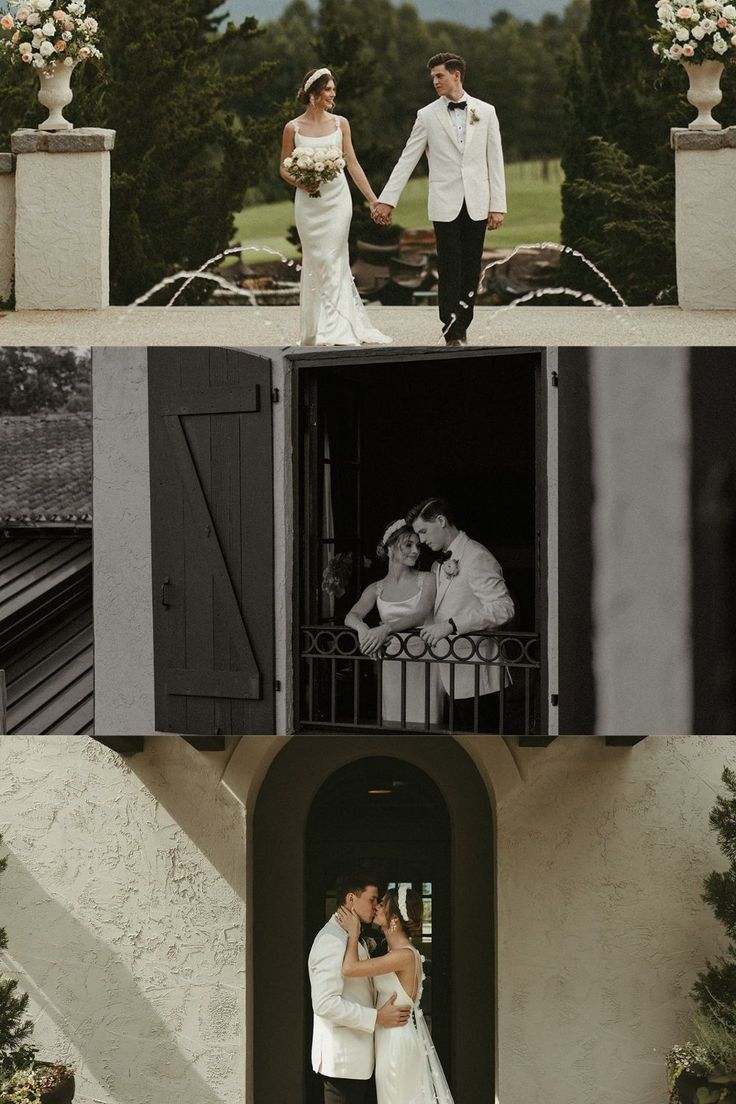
<point x="212" y="540"/>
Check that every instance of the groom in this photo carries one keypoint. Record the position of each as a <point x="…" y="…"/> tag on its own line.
<point x="467" y="193"/>
<point x="471" y="598"/>
<point x="344" y="1013"/>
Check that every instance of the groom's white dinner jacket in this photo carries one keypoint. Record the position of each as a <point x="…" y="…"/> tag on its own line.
<point x="473" y="593"/>
<point x="344" y="1013"/>
<point x="472" y="172"/>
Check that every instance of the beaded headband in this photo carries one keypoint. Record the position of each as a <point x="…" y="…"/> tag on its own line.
<point x="393" y="528"/>
<point x="402" y="904"/>
<point x="315" y="76"/>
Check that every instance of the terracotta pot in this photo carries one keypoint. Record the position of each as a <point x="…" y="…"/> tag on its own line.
<point x="704" y="92"/>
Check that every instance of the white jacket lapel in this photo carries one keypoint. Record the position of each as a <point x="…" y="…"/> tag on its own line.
<point x="470" y="126"/>
<point x="444" y="117"/>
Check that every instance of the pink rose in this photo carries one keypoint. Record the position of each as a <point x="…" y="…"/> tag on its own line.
<point x="69" y="25"/>
<point x="722" y="22"/>
<point x="16" y="37"/>
<point x="60" y="46"/>
<point x="59" y="16"/>
<point x="26" y="57"/>
<point x="684" y="13"/>
<point x="688" y="51"/>
<point x="84" y="53"/>
<point x="7" y="22"/>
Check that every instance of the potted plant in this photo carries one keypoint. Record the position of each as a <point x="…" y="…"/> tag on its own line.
<point x="703" y="1071"/>
<point x="700" y="36"/>
<point x="53" y="40"/>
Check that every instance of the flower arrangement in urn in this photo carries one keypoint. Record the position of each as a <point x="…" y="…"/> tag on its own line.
<point x="46" y="36"/>
<point x="697" y="32"/>
<point x="336" y="575"/>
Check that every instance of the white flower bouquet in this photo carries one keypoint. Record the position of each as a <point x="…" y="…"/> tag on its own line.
<point x="45" y="34"/>
<point x="312" y="167"/>
<point x="700" y="31"/>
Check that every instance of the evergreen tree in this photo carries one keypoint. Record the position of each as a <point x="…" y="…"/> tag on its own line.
<point x="15" y="1029"/>
<point x="182" y="160"/>
<point x="620" y="104"/>
<point x="715" y="989"/>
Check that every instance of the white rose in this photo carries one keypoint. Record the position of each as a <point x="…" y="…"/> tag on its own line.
<point x="288" y="162"/>
<point x="698" y="33"/>
<point x="682" y="34"/>
<point x="39" y="62"/>
<point x="729" y="12"/>
<point x="719" y="44"/>
<point x="33" y="19"/>
<point x="43" y="5"/>
<point x="25" y="48"/>
<point x="90" y="24"/>
<point x="675" y="51"/>
<point x="306" y="151"/>
<point x="66" y="35"/>
<point x="68" y="61"/>
<point x="303" y="163"/>
<point x="319" y="166"/>
<point x="708" y="25"/>
<point x="46" y="49"/>
<point x="340" y="162"/>
<point x="49" y="29"/>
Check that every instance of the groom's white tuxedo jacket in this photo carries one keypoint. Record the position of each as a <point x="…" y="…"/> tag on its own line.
<point x="477" y="600"/>
<point x="344" y="1013"/>
<point x="473" y="172"/>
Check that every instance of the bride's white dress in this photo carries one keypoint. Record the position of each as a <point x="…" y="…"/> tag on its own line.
<point x="422" y="682"/>
<point x="331" y="311"/>
<point x="408" y="1070"/>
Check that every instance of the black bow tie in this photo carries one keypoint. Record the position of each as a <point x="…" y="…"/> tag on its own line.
<point x="457" y="106"/>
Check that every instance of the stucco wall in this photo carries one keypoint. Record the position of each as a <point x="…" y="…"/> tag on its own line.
<point x="123" y="903"/>
<point x="7" y="225"/>
<point x="601" y="856"/>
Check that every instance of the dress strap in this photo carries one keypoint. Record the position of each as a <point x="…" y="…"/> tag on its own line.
<point x="337" y="122"/>
<point x="379" y="588"/>
<point x="295" y="124"/>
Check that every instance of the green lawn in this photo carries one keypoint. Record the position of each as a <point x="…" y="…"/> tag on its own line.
<point x="533" y="202"/>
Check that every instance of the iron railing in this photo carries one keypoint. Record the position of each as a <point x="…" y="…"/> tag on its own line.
<point x="421" y="685"/>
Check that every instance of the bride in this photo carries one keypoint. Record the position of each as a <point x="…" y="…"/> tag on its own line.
<point x="331" y="311"/>
<point x="408" y="1070"/>
<point x="404" y="599"/>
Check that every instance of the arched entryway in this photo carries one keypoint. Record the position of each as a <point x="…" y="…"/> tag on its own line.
<point x="427" y="821"/>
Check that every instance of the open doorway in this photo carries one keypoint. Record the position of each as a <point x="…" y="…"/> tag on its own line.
<point x="375" y="440"/>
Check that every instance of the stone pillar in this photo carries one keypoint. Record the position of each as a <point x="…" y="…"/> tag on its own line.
<point x="7" y="224"/>
<point x="705" y="173"/>
<point x="62" y="222"/>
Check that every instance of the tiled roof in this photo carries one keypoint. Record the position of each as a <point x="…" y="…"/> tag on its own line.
<point x="46" y="469"/>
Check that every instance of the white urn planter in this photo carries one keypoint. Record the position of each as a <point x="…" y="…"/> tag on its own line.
<point x="704" y="92"/>
<point x="55" y="94"/>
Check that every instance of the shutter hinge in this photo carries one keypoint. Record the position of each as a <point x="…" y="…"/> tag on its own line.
<point x="554" y="699"/>
<point x="277" y="685"/>
<point x="275" y="395"/>
<point x="555" y="379"/>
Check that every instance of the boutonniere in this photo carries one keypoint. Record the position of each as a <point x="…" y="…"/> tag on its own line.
<point x="474" y="116"/>
<point x="451" y="568"/>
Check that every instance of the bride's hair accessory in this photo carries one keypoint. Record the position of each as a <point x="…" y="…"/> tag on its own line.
<point x="402" y="904"/>
<point x="315" y="77"/>
<point x="393" y="528"/>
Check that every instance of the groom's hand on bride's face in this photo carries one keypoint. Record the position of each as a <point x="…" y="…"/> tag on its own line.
<point x="392" y="1015"/>
<point x="438" y="630"/>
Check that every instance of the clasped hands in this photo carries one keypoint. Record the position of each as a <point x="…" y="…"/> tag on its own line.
<point x="372" y="640"/>
<point x="381" y="213"/>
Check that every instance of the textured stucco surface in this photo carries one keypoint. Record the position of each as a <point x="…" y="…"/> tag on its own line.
<point x="62" y="231"/>
<point x="124" y="696"/>
<point x="705" y="233"/>
<point x="641" y="538"/>
<point x="601" y="930"/>
<point x="7" y="232"/>
<point x="123" y="902"/>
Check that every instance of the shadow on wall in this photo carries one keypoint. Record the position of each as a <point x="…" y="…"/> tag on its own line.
<point x="95" y="1003"/>
<point x="186" y="782"/>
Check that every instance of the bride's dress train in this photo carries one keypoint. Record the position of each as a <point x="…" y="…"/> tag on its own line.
<point x="408" y="1070"/>
<point x="331" y="309"/>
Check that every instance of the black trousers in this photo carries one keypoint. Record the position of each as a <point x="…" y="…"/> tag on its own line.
<point x="459" y="254"/>
<point x="463" y="713"/>
<point x="344" y="1090"/>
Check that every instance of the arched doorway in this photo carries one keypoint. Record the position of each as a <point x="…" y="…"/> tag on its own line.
<point x="430" y="824"/>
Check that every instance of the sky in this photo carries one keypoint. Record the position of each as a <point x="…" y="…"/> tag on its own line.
<point x="473" y="13"/>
